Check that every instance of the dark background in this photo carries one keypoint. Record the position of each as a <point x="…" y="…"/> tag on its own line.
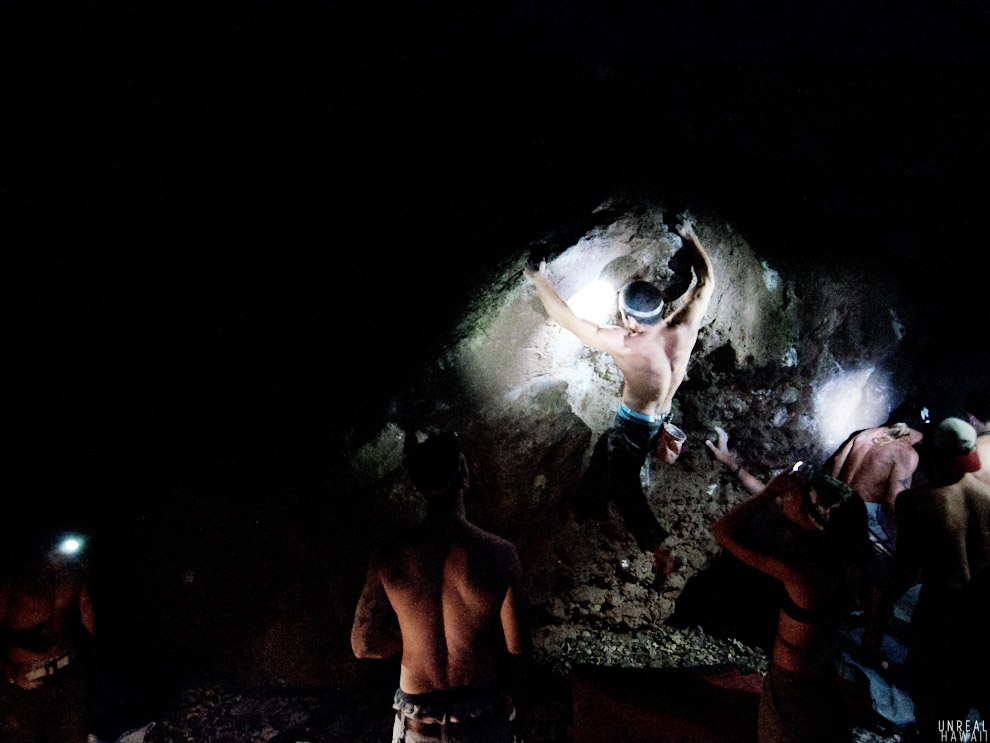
<point x="227" y="222"/>
<point x="233" y="229"/>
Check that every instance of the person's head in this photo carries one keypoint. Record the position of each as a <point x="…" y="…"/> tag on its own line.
<point x="41" y="553"/>
<point x="641" y="302"/>
<point x="821" y="504"/>
<point x="953" y="447"/>
<point x="438" y="469"/>
<point x="977" y="404"/>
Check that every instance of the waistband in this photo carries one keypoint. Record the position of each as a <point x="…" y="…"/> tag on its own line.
<point x="457" y="705"/>
<point x="632" y="415"/>
<point x="40" y="672"/>
<point x="438" y="730"/>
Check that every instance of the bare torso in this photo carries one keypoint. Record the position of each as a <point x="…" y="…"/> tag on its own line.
<point x="38" y="622"/>
<point x="800" y="645"/>
<point x="947" y="529"/>
<point x="877" y="472"/>
<point x="653" y="358"/>
<point x="453" y="588"/>
<point x="653" y="362"/>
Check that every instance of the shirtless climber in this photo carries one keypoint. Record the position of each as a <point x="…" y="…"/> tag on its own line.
<point x="977" y="405"/>
<point x="944" y="530"/>
<point x="652" y="354"/>
<point x="455" y="591"/>
<point x="46" y="617"/>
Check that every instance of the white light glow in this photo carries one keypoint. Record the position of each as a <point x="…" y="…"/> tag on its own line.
<point x="850" y="402"/>
<point x="595" y="302"/>
<point x="70" y="546"/>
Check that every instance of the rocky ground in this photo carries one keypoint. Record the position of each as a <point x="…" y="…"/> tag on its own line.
<point x="216" y="712"/>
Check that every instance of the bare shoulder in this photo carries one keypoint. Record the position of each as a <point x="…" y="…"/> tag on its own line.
<point x="681" y="328"/>
<point x="931" y="507"/>
<point x="497" y="552"/>
<point x="978" y="494"/>
<point x="493" y="542"/>
<point x="678" y="337"/>
<point x="905" y="453"/>
<point x="611" y="339"/>
<point x="889" y="455"/>
<point x="847" y="446"/>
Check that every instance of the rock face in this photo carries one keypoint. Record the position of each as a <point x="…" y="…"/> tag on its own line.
<point x="790" y="359"/>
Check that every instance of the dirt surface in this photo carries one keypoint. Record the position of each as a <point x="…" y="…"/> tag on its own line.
<point x="224" y="713"/>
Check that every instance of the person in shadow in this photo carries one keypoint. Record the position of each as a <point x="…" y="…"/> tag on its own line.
<point x="447" y="596"/>
<point x="977" y="404"/>
<point x="879" y="464"/>
<point x="817" y="556"/>
<point x="944" y="534"/>
<point x="46" y="627"/>
<point x="729" y="580"/>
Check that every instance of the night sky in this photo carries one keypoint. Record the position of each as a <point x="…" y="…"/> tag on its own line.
<point x="232" y="229"/>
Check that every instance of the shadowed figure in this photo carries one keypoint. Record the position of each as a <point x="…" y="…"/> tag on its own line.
<point x="454" y="591"/>
<point x="46" y="623"/>
<point x="879" y="464"/>
<point x="727" y="580"/>
<point x="817" y="556"/>
<point x="944" y="531"/>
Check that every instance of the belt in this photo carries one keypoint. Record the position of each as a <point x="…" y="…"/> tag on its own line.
<point x="437" y="728"/>
<point x="629" y="414"/>
<point x="48" y="669"/>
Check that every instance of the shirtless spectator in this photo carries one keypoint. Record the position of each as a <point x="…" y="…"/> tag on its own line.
<point x="879" y="464"/>
<point x="824" y="525"/>
<point x="944" y="531"/>
<point x="455" y="592"/>
<point x="652" y="354"/>
<point x="45" y="619"/>
<point x="977" y="405"/>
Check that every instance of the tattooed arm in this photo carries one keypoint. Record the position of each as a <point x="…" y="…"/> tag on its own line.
<point x="375" y="633"/>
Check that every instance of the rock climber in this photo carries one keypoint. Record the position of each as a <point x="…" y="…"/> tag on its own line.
<point x="652" y="353"/>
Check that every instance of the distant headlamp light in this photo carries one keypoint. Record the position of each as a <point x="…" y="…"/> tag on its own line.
<point x="70" y="546"/>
